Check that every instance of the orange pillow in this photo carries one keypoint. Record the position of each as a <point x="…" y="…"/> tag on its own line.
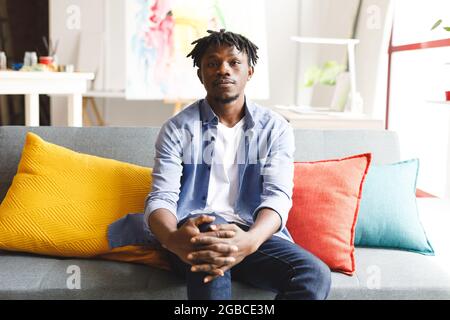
<point x="325" y="207"/>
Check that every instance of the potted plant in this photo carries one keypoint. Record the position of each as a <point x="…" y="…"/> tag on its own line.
<point x="324" y="75"/>
<point x="446" y="28"/>
<point x="331" y="73"/>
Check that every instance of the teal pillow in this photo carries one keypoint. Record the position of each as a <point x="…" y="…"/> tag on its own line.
<point x="388" y="216"/>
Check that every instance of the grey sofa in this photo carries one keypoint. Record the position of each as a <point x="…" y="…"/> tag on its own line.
<point x="381" y="273"/>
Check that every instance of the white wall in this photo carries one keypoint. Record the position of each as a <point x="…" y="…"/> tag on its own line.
<point x="375" y="23"/>
<point x="328" y="19"/>
<point x="334" y="19"/>
<point x="91" y="19"/>
<point x="282" y="23"/>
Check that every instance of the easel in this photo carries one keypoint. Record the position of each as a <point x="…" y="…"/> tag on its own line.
<point x="86" y="117"/>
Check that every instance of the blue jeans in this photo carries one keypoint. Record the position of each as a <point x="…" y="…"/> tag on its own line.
<point x="278" y="265"/>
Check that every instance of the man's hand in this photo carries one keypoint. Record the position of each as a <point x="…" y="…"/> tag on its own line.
<point x="179" y="241"/>
<point x="216" y="254"/>
<point x="242" y="244"/>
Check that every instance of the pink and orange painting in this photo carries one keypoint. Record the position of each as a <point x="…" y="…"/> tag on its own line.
<point x="159" y="37"/>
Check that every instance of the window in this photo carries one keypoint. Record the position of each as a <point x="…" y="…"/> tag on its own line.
<point x="419" y="78"/>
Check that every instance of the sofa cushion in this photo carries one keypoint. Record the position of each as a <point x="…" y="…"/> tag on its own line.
<point x="128" y="144"/>
<point x="319" y="144"/>
<point x="325" y="206"/>
<point x="61" y="202"/>
<point x="392" y="274"/>
<point x="137" y="145"/>
<point x="388" y="215"/>
<point x="28" y="276"/>
<point x="397" y="274"/>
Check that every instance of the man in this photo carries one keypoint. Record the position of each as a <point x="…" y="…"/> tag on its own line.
<point x="222" y="186"/>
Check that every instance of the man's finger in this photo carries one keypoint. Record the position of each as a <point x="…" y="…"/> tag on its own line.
<point x="217" y="272"/>
<point x="209" y="267"/>
<point x="220" y="233"/>
<point x="226" y="226"/>
<point x="209" y="253"/>
<point x="212" y="277"/>
<point x="224" y="261"/>
<point x="203" y="255"/>
<point x="200" y="239"/>
<point x="197" y="221"/>
<point x="220" y="247"/>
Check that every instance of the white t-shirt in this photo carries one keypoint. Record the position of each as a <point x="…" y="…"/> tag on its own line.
<point x="224" y="175"/>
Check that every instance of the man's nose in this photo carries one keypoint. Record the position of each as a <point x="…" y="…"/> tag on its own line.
<point x="223" y="69"/>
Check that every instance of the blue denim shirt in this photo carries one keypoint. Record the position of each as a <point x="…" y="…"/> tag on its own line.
<point x="185" y="149"/>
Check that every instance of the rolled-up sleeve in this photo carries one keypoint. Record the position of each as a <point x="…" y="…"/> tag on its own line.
<point x="166" y="173"/>
<point x="278" y="174"/>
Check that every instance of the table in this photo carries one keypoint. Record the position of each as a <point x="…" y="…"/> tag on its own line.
<point x="330" y="120"/>
<point x="32" y="84"/>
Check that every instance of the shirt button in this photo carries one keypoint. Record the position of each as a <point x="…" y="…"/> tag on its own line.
<point x="203" y="198"/>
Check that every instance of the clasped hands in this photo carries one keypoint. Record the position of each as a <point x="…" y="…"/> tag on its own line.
<point x="214" y="251"/>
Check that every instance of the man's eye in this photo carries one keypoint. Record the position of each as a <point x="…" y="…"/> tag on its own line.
<point x="211" y="64"/>
<point x="235" y="62"/>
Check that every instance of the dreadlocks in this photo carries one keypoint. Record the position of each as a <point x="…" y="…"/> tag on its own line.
<point x="222" y="37"/>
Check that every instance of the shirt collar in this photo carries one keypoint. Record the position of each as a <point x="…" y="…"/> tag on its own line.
<point x="208" y="116"/>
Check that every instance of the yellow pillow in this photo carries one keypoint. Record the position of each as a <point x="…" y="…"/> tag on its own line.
<point x="61" y="203"/>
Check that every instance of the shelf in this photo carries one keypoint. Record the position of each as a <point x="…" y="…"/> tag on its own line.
<point x="105" y="94"/>
<point x="439" y="101"/>
<point x="330" y="120"/>
<point x="351" y="44"/>
<point x="325" y="40"/>
<point x="45" y="75"/>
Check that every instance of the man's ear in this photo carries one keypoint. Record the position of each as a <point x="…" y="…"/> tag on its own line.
<point x="251" y="70"/>
<point x="199" y="75"/>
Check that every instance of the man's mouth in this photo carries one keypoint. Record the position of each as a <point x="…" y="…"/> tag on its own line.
<point x="223" y="83"/>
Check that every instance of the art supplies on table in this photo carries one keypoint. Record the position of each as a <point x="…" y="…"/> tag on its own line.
<point x="30" y="59"/>
<point x="3" y="61"/>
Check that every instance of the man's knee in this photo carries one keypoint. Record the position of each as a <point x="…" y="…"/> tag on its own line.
<point x="323" y="278"/>
<point x="313" y="279"/>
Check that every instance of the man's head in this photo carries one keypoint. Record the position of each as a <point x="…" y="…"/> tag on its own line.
<point x="225" y="62"/>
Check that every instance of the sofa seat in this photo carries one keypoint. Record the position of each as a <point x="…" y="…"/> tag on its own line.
<point x="380" y="273"/>
<point x="28" y="276"/>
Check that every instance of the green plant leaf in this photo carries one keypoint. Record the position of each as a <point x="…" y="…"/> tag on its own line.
<point x="330" y="71"/>
<point x="312" y="76"/>
<point x="325" y="75"/>
<point x="447" y="28"/>
<point x="436" y="24"/>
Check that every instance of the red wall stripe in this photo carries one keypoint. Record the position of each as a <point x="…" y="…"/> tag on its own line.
<point x="420" y="45"/>
<point x="407" y="47"/>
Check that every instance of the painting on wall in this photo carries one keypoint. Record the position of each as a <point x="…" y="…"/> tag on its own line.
<point x="159" y="36"/>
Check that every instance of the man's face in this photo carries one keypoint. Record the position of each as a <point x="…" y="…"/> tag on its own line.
<point x="224" y="72"/>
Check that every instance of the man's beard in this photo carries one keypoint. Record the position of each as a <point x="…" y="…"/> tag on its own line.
<point x="226" y="100"/>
